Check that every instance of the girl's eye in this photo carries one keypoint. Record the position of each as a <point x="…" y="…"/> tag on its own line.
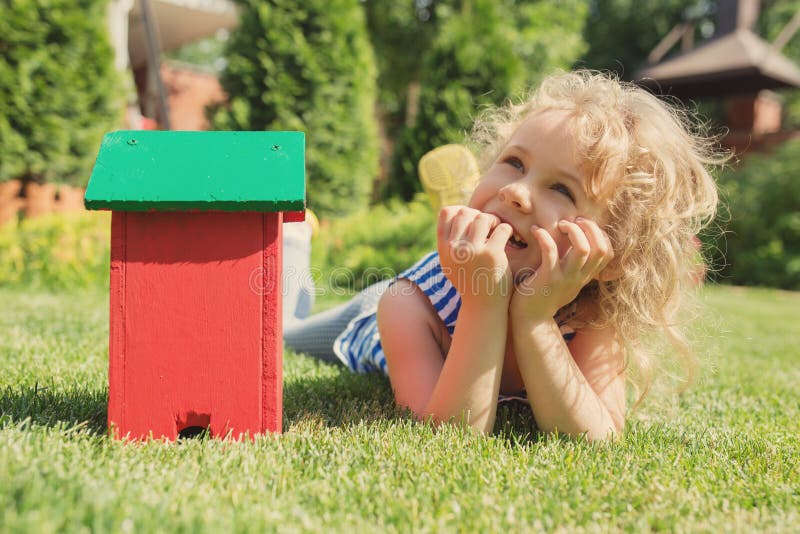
<point x="564" y="190"/>
<point x="515" y="162"/>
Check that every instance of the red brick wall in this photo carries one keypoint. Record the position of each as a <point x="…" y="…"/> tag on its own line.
<point x="37" y="199"/>
<point x="754" y="123"/>
<point x="189" y="93"/>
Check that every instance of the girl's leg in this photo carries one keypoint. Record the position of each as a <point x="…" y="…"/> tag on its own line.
<point x="298" y="286"/>
<point x="314" y="335"/>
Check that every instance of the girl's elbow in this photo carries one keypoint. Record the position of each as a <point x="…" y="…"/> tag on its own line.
<point x="609" y="429"/>
<point x="465" y="419"/>
<point x="594" y="436"/>
<point x="609" y="434"/>
<point x="606" y="431"/>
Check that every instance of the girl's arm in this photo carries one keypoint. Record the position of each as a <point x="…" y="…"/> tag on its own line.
<point x="577" y="389"/>
<point x="464" y="385"/>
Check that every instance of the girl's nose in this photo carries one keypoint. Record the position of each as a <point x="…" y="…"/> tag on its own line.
<point x="516" y="195"/>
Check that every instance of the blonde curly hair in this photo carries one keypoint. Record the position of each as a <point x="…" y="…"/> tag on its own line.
<point x="649" y="163"/>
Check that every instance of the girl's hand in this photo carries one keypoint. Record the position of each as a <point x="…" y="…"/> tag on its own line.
<point x="558" y="281"/>
<point x="471" y="247"/>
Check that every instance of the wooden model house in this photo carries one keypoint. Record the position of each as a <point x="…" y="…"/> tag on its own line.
<point x="195" y="305"/>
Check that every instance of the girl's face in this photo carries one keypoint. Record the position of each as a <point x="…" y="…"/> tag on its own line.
<point x="537" y="180"/>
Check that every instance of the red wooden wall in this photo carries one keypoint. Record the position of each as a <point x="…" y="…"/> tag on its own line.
<point x="195" y="330"/>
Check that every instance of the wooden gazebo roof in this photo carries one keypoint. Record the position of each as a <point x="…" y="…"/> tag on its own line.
<point x="734" y="61"/>
<point x="738" y="62"/>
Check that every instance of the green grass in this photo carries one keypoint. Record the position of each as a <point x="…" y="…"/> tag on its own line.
<point x="723" y="456"/>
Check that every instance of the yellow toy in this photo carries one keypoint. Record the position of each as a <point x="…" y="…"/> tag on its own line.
<point x="448" y="174"/>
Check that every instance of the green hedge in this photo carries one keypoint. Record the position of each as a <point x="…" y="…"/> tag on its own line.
<point x="59" y="92"/>
<point x="62" y="251"/>
<point x="756" y="238"/>
<point x="373" y="244"/>
<point x="59" y="251"/>
<point x="308" y="66"/>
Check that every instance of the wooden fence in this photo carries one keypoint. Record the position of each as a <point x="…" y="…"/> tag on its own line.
<point x="33" y="200"/>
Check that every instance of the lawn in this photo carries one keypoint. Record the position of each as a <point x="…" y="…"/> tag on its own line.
<point x="722" y="456"/>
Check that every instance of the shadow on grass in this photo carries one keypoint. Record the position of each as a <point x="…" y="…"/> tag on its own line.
<point x="515" y="424"/>
<point x="47" y="406"/>
<point x="341" y="400"/>
<point x="348" y="398"/>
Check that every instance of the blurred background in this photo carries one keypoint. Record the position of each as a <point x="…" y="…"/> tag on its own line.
<point x="375" y="84"/>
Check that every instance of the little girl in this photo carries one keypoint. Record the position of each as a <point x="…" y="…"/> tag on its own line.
<point x="577" y="240"/>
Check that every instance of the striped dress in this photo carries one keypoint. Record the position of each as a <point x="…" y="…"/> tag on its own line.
<point x="359" y="345"/>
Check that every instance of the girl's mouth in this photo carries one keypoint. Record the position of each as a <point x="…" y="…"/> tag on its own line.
<point x="515" y="241"/>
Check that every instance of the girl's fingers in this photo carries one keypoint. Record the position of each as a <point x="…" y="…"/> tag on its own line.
<point x="500" y="236"/>
<point x="549" y="250"/>
<point x="601" y="250"/>
<point x="480" y="227"/>
<point x="446" y="216"/>
<point x="461" y="222"/>
<point x="579" y="254"/>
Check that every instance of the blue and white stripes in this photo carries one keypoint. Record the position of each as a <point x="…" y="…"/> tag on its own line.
<point x="359" y="346"/>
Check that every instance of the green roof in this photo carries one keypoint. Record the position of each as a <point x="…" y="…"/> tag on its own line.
<point x="143" y="170"/>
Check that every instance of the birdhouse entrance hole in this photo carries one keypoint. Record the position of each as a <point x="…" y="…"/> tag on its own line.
<point x="192" y="432"/>
<point x="193" y="425"/>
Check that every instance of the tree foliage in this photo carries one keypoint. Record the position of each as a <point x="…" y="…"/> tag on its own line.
<point x="621" y="33"/>
<point x="483" y="52"/>
<point x="401" y="33"/>
<point x="308" y="66"/>
<point x="59" y="92"/>
<point x="773" y="18"/>
<point x="759" y="242"/>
